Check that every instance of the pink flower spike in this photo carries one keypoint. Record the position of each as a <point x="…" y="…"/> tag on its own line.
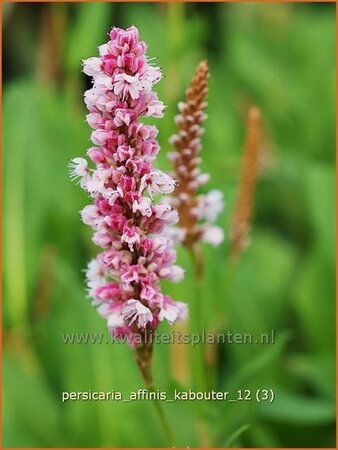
<point x="131" y="227"/>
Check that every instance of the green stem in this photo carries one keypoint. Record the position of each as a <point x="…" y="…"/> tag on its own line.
<point x="198" y="326"/>
<point x="197" y="322"/>
<point x="143" y="359"/>
<point x="164" y="422"/>
<point x="228" y="280"/>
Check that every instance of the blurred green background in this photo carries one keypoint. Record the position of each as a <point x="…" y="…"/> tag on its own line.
<point x="280" y="57"/>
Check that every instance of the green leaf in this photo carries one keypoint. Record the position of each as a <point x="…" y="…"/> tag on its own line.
<point x="257" y="295"/>
<point x="314" y="300"/>
<point x="32" y="405"/>
<point x="297" y="409"/>
<point x="259" y="364"/>
<point x="235" y="435"/>
<point x="319" y="187"/>
<point x="316" y="371"/>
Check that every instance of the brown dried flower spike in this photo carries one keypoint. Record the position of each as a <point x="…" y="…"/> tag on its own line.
<point x="241" y="221"/>
<point x="191" y="207"/>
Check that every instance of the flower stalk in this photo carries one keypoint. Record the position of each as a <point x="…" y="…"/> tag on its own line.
<point x="124" y="280"/>
<point x="197" y="212"/>
<point x="242" y="216"/>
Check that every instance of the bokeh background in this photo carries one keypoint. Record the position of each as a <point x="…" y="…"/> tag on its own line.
<point x="280" y="57"/>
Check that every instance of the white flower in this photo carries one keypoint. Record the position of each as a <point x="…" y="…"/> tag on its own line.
<point x="202" y="178"/>
<point x="157" y="182"/>
<point x="99" y="137"/>
<point x="111" y="195"/>
<point x="151" y="76"/>
<point x="95" y="276"/>
<point x="210" y="205"/>
<point x="155" y="109"/>
<point x="78" y="168"/>
<point x="103" y="49"/>
<point x="135" y="310"/>
<point x="103" y="309"/>
<point x="103" y="81"/>
<point x="162" y="209"/>
<point x="160" y="244"/>
<point x="102" y="239"/>
<point x="90" y="214"/>
<point x="213" y="235"/>
<point x="115" y="320"/>
<point x="143" y="205"/>
<point x="182" y="310"/>
<point x="96" y="184"/>
<point x="169" y="312"/>
<point x="126" y="84"/>
<point x="177" y="273"/>
<point x="162" y="182"/>
<point x="92" y="66"/>
<point x="177" y="234"/>
<point x="131" y="237"/>
<point x="94" y="271"/>
<point x="173" y="311"/>
<point x="99" y="98"/>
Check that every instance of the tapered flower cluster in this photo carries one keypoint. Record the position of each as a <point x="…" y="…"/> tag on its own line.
<point x="242" y="216"/>
<point x="124" y="280"/>
<point x="197" y="212"/>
